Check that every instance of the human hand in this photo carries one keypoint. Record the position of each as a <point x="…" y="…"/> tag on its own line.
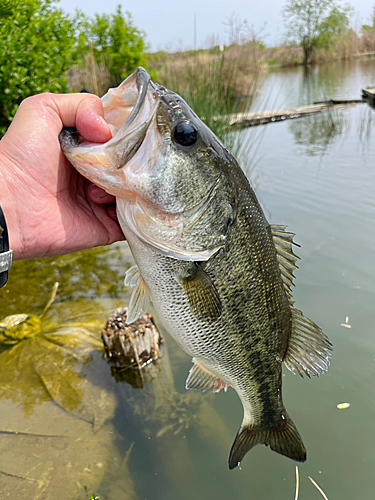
<point x="49" y="207"/>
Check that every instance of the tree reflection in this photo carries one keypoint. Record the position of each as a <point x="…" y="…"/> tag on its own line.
<point x="95" y="273"/>
<point x="317" y="133"/>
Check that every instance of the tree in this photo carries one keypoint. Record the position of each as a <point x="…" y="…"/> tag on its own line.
<point x="314" y="23"/>
<point x="37" y="46"/>
<point x="333" y="26"/>
<point x="115" y="39"/>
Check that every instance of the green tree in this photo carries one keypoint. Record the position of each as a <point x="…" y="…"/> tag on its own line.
<point x="315" y="23"/>
<point x="368" y="28"/>
<point x="116" y="41"/>
<point x="37" y="46"/>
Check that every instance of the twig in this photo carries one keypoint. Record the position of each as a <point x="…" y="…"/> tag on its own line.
<point x="318" y="488"/>
<point x="297" y="483"/>
<point x="51" y="300"/>
<point x="18" y="477"/>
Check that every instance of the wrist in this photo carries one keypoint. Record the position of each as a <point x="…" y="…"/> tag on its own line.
<point x="5" y="253"/>
<point x="10" y="208"/>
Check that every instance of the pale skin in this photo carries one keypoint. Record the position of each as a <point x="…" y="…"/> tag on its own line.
<point x="50" y="209"/>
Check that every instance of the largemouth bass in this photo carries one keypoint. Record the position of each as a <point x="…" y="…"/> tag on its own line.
<point x="218" y="274"/>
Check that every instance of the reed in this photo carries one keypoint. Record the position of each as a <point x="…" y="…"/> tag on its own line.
<point x="90" y="75"/>
<point x="215" y="83"/>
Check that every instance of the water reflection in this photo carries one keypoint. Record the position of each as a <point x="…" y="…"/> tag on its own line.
<point x="94" y="273"/>
<point x="366" y="123"/>
<point x="317" y="133"/>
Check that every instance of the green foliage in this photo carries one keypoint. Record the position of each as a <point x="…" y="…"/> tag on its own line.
<point x="333" y="26"/>
<point x="315" y="23"/>
<point x="37" y="46"/>
<point x="367" y="28"/>
<point x="116" y="41"/>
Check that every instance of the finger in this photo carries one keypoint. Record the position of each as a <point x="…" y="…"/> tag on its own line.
<point x="84" y="111"/>
<point x="98" y="195"/>
<point x="112" y="228"/>
<point x="90" y="121"/>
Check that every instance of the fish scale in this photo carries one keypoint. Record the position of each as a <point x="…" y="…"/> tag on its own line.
<point x="218" y="274"/>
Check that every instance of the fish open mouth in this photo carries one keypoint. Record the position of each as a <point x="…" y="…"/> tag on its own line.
<point x="128" y="109"/>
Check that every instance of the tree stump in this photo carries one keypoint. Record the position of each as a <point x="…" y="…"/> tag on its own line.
<point x="133" y="350"/>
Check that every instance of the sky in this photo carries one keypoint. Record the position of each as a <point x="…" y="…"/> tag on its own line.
<point x="170" y="23"/>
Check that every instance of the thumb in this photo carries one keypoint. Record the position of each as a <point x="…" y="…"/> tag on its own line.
<point x="52" y="112"/>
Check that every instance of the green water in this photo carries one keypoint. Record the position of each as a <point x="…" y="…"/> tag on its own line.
<point x="69" y="430"/>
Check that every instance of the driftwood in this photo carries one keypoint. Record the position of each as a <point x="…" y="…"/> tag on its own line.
<point x="243" y="120"/>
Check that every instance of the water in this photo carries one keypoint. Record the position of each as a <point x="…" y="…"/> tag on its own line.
<point x="69" y="430"/>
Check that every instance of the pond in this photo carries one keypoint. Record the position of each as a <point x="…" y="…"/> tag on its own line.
<point x="69" y="429"/>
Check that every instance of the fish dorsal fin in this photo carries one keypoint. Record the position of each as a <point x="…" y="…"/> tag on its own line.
<point x="140" y="299"/>
<point x="203" y="297"/>
<point x="308" y="348"/>
<point x="286" y="257"/>
<point x="199" y="378"/>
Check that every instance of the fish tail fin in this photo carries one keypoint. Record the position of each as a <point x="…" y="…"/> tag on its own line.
<point x="283" y="439"/>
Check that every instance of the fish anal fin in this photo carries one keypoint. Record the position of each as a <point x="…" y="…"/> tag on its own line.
<point x="139" y="301"/>
<point x="284" y="439"/>
<point x="202" y="295"/>
<point x="309" y="349"/>
<point x="199" y="378"/>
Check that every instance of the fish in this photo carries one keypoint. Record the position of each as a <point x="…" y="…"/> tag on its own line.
<point x="218" y="273"/>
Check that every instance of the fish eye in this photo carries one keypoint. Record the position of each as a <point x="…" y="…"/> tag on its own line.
<point x="185" y="134"/>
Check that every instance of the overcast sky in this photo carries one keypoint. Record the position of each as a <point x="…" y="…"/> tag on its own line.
<point x="170" y="23"/>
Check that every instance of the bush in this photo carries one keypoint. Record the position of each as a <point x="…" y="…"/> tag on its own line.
<point x="115" y="42"/>
<point x="37" y="46"/>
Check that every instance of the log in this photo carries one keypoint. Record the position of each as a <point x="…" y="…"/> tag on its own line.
<point x="243" y="120"/>
<point x="369" y="93"/>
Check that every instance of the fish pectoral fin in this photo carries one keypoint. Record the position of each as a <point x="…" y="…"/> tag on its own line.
<point x="203" y="297"/>
<point x="284" y="440"/>
<point x="308" y="349"/>
<point x="199" y="378"/>
<point x="132" y="276"/>
<point x="139" y="301"/>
